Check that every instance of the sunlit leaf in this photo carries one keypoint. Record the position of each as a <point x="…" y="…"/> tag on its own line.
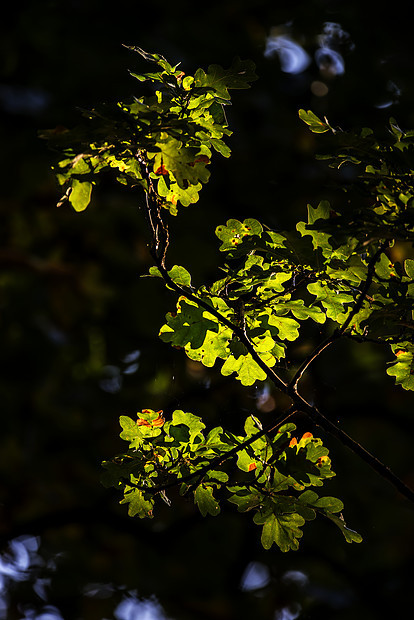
<point x="282" y="529"/>
<point x="80" y="194"/>
<point x="315" y="123"/>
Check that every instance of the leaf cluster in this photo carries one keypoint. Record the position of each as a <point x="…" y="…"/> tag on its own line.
<point x="385" y="169"/>
<point x="335" y="272"/>
<point x="382" y="171"/>
<point x="162" y="142"/>
<point x="268" y="474"/>
<point x="274" y="281"/>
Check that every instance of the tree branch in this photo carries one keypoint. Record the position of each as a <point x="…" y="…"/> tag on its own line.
<point x="362" y="452"/>
<point x="158" y="251"/>
<point x="157" y="225"/>
<point x="385" y="472"/>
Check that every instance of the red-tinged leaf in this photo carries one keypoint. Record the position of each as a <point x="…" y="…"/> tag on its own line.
<point x="293" y="442"/>
<point x="141" y="422"/>
<point x="252" y="466"/>
<point x="321" y="461"/>
<point x="307" y="436"/>
<point x="161" y="170"/>
<point x="159" y="421"/>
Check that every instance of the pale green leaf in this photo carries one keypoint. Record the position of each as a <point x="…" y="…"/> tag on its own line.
<point x="80" y="195"/>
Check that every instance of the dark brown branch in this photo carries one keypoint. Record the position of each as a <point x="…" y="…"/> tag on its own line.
<point x="357" y="448"/>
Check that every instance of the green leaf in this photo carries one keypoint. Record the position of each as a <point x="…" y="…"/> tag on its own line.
<point x="384" y="267"/>
<point x="221" y="147"/>
<point x="138" y="505"/>
<point x="403" y="368"/>
<point x="136" y="434"/>
<point x="155" y="58"/>
<point x="180" y="276"/>
<point x="244" y="498"/>
<point x="180" y="162"/>
<point x="189" y="327"/>
<point x="203" y="497"/>
<point x="350" y="535"/>
<point x="233" y="233"/>
<point x="308" y="497"/>
<point x="219" y="476"/>
<point x="287" y="328"/>
<point x="332" y="300"/>
<point x="315" y="123"/>
<point x="354" y="270"/>
<point x="282" y="529"/>
<point x="219" y="80"/>
<point x="117" y="470"/>
<point x="174" y="194"/>
<point x="300" y="311"/>
<point x="409" y="267"/>
<point x="131" y="431"/>
<point x="326" y="504"/>
<point x="194" y="423"/>
<point x="216" y="442"/>
<point x="274" y="283"/>
<point x="320" y="239"/>
<point x="246" y="460"/>
<point x="247" y="370"/>
<point x="329" y="504"/>
<point x="80" y="194"/>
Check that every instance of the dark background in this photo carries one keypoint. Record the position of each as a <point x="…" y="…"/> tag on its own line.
<point x="78" y="327"/>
